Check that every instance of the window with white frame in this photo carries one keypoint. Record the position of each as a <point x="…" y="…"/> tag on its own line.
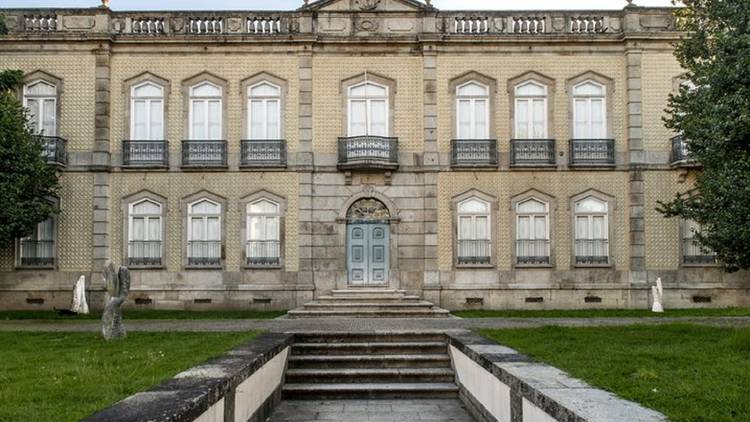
<point x="206" y="112"/>
<point x="147" y="112"/>
<point x="40" y="97"/>
<point x="531" y="111"/>
<point x="145" y="233"/>
<point x="591" y="231"/>
<point x="474" y="232"/>
<point x="472" y="111"/>
<point x="693" y="253"/>
<point x="204" y="233"/>
<point x="264" y="111"/>
<point x="263" y="241"/>
<point x="532" y="232"/>
<point x="589" y="111"/>
<point x="38" y="249"/>
<point x="368" y="109"/>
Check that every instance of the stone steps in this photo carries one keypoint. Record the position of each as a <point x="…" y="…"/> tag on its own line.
<point x="368" y="303"/>
<point x="369" y="298"/>
<point x="369" y="365"/>
<point x="380" y="313"/>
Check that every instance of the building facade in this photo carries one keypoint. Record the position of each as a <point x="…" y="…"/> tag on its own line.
<point x="242" y="159"/>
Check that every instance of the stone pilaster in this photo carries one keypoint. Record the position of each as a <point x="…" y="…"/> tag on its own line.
<point x="101" y="161"/>
<point x="636" y="159"/>
<point x="431" y="156"/>
<point x="304" y="153"/>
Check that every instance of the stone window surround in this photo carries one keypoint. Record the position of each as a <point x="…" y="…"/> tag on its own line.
<point x="540" y="79"/>
<point x="127" y="91"/>
<point x="389" y="83"/>
<point x="481" y="79"/>
<point x="189" y="83"/>
<point x="125" y="211"/>
<point x="40" y="75"/>
<point x="611" y="208"/>
<point x="245" y="85"/>
<point x="551" y="202"/>
<point x="609" y="85"/>
<point x="56" y="234"/>
<point x="282" y="203"/>
<point x="492" y="201"/>
<point x="184" y="203"/>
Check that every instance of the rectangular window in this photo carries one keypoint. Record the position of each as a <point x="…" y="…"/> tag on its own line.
<point x="592" y="239"/>
<point x="473" y="119"/>
<point x="531" y="118"/>
<point x="206" y="119"/>
<point x="263" y="246"/>
<point x="38" y="249"/>
<point x="473" y="240"/>
<point x="589" y="119"/>
<point x="42" y="115"/>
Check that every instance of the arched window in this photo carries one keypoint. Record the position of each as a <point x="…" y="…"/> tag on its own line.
<point x="204" y="233"/>
<point x="591" y="231"/>
<point x="368" y="109"/>
<point x="38" y="249"/>
<point x="263" y="233"/>
<point x="531" y="111"/>
<point x="472" y="111"/>
<point x="589" y="110"/>
<point x="145" y="233"/>
<point x="205" y="111"/>
<point x="474" y="231"/>
<point x="40" y="97"/>
<point x="264" y="111"/>
<point x="532" y="232"/>
<point x="147" y="112"/>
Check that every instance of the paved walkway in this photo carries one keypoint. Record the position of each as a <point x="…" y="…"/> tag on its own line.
<point x="361" y="324"/>
<point x="371" y="411"/>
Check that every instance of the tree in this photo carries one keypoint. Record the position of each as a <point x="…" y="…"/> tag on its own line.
<point x="713" y="115"/>
<point x="3" y="25"/>
<point x="27" y="183"/>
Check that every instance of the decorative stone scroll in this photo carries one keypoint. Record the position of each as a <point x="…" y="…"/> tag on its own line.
<point x="368" y="209"/>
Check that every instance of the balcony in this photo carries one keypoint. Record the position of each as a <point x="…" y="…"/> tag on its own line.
<point x="204" y="154"/>
<point x="592" y="251"/>
<point x="54" y="150"/>
<point x="592" y="152"/>
<point x="368" y="153"/>
<point x="144" y="253"/>
<point x="204" y="253"/>
<point x="474" y="252"/>
<point x="681" y="154"/>
<point x="532" y="252"/>
<point x="532" y="152"/>
<point x="37" y="253"/>
<point x="263" y="153"/>
<point x="473" y="153"/>
<point x="145" y="154"/>
<point x="263" y="253"/>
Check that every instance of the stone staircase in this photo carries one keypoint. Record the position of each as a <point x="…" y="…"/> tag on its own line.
<point x="368" y="303"/>
<point x="329" y="366"/>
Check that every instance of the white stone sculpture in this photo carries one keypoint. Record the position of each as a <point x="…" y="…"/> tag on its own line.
<point x="658" y="293"/>
<point x="80" y="306"/>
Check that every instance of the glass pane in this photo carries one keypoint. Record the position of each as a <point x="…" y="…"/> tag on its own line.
<point x="214" y="120"/>
<point x="482" y="228"/>
<point x="588" y="89"/>
<point x="532" y="206"/>
<point x="196" y="229"/>
<point x="48" y="117"/>
<point x="464" y="119"/>
<point x="581" y="118"/>
<point x="140" y="119"/>
<point x="199" y="120"/>
<point x="33" y="105"/>
<point x="481" y="130"/>
<point x="597" y="119"/>
<point x="41" y="88"/>
<point x="256" y="229"/>
<point x="376" y="90"/>
<point x="598" y="228"/>
<point x="257" y="115"/>
<point x="540" y="227"/>
<point x="274" y="120"/>
<point x="522" y="119"/>
<point x="157" y="117"/>
<point x="154" y="228"/>
<point x="539" y="116"/>
<point x="531" y="89"/>
<point x="206" y="90"/>
<point x="147" y="90"/>
<point x="582" y="227"/>
<point x="473" y="206"/>
<point x="146" y="207"/>
<point x="205" y="207"/>
<point x="378" y="118"/>
<point x="138" y="230"/>
<point x="213" y="228"/>
<point x="472" y="89"/>
<point x="265" y="90"/>
<point x="357" y="118"/>
<point x="263" y="207"/>
<point x="465" y="228"/>
<point x="591" y="205"/>
<point x="524" y="231"/>
<point x="272" y="228"/>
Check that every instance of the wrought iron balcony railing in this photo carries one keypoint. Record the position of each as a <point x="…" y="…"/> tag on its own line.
<point x="263" y="153"/>
<point x="695" y="254"/>
<point x="204" y="154"/>
<point x="37" y="253"/>
<point x="54" y="149"/>
<point x="204" y="253"/>
<point x="592" y="251"/>
<point x="681" y="154"/>
<point x="368" y="152"/>
<point x="532" y="251"/>
<point x="145" y="153"/>
<point x="532" y="152"/>
<point x="474" y="252"/>
<point x="473" y="153"/>
<point x="263" y="252"/>
<point x="592" y="152"/>
<point x="144" y="252"/>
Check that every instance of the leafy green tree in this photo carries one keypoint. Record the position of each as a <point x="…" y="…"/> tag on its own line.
<point x="26" y="181"/>
<point x="712" y="112"/>
<point x="3" y="26"/>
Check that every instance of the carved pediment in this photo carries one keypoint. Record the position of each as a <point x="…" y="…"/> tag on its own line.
<point x="367" y="6"/>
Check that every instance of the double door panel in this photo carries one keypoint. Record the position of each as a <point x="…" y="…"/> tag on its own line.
<point x="368" y="247"/>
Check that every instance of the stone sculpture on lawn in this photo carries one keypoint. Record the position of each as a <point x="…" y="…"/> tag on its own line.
<point x="658" y="293"/>
<point x="118" y="285"/>
<point x="79" y="305"/>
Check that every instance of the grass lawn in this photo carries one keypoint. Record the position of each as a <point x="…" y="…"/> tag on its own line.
<point x="688" y="372"/>
<point x="143" y="314"/>
<point x="605" y="313"/>
<point x="68" y="376"/>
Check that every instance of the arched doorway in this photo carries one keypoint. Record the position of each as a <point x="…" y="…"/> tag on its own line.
<point x="368" y="237"/>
